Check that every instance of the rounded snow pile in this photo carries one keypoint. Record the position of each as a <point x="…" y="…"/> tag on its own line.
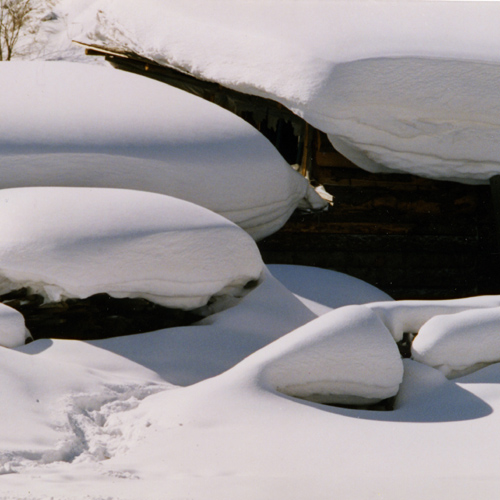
<point x="76" y="242"/>
<point x="459" y="343"/>
<point x="91" y="126"/>
<point x="13" y="331"/>
<point x="346" y="356"/>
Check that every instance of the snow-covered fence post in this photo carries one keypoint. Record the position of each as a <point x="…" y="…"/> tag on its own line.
<point x="14" y="15"/>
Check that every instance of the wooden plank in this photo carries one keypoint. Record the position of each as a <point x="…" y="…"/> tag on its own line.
<point x="495" y="197"/>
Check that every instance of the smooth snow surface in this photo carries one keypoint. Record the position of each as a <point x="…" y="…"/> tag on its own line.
<point x="13" y="332"/>
<point x="459" y="343"/>
<point x="103" y="420"/>
<point x="212" y="411"/>
<point x="326" y="287"/>
<point x="77" y="242"/>
<point x="408" y="316"/>
<point x="90" y="126"/>
<point x="346" y="356"/>
<point x="407" y="86"/>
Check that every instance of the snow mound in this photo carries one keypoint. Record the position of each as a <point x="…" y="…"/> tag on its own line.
<point x="459" y="343"/>
<point x="417" y="95"/>
<point x="346" y="356"/>
<point x="13" y="332"/>
<point x="326" y="287"/>
<point x="92" y="126"/>
<point x="77" y="242"/>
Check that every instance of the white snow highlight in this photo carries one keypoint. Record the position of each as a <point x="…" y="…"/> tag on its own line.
<point x="76" y="242"/>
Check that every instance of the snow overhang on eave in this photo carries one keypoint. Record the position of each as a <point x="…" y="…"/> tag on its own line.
<point x="230" y="99"/>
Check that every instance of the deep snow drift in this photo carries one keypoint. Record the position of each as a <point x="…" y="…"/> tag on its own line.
<point x="408" y="86"/>
<point x="109" y="418"/>
<point x="92" y="126"/>
<point x="99" y="425"/>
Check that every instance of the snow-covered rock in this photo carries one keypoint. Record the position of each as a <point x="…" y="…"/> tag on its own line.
<point x="459" y="343"/>
<point x="13" y="331"/>
<point x="76" y="242"/>
<point x="90" y="126"/>
<point x="403" y="86"/>
<point x="346" y="356"/>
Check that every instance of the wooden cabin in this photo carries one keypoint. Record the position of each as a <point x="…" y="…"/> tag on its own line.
<point x="412" y="237"/>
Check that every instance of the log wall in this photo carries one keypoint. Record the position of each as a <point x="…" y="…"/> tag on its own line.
<point x="409" y="236"/>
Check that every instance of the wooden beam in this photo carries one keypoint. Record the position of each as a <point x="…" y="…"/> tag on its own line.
<point x="495" y="197"/>
<point x="230" y="99"/>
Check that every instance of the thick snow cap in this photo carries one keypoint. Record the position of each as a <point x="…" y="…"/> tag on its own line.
<point x="76" y="242"/>
<point x="92" y="126"/>
<point x="345" y="356"/>
<point x="404" y="86"/>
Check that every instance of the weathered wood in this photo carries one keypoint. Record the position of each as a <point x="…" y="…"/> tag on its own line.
<point x="495" y="196"/>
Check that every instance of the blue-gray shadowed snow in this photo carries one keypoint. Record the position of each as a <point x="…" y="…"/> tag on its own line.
<point x="326" y="287"/>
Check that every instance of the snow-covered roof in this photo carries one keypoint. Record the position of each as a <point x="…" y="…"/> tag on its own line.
<point x="407" y="86"/>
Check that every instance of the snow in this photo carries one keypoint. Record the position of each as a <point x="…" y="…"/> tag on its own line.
<point x="408" y="316"/>
<point x="459" y="343"/>
<point x="77" y="242"/>
<point x="330" y="289"/>
<point x="346" y="356"/>
<point x="13" y="332"/>
<point x="406" y="86"/>
<point x="85" y="125"/>
<point x="230" y="407"/>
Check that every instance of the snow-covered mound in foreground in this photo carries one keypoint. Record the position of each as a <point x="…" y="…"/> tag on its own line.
<point x="82" y="422"/>
<point x="91" y="126"/>
<point x="398" y="85"/>
<point x="76" y="242"/>
<point x="346" y="356"/>
<point x="326" y="287"/>
<point x="459" y="343"/>
<point x="13" y="331"/>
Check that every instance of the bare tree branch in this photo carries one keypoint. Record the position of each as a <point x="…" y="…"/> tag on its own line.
<point x="14" y="15"/>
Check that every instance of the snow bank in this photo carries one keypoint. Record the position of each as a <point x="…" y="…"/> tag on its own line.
<point x="398" y="85"/>
<point x="326" y="287"/>
<point x="346" y="356"/>
<point x="76" y="242"/>
<point x="90" y="126"/>
<point x="13" y="331"/>
<point x="459" y="343"/>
